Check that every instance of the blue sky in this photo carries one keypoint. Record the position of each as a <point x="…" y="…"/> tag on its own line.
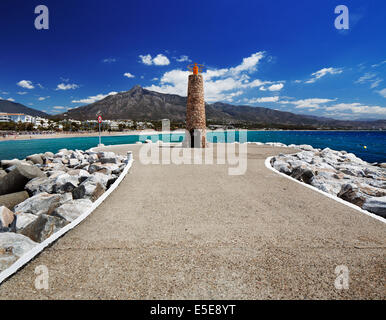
<point x="284" y="55"/>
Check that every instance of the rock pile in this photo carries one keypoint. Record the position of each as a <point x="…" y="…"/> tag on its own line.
<point x="45" y="192"/>
<point x="338" y="173"/>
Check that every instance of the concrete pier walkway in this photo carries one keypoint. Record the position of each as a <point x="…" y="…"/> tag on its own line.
<point x="194" y="232"/>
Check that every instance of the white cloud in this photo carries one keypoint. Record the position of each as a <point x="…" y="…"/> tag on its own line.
<point x="183" y="58"/>
<point x="109" y="60"/>
<point x="382" y="92"/>
<point x="146" y="59"/>
<point x="59" y="108"/>
<point x="370" y="78"/>
<point x="69" y="86"/>
<point x="158" y="60"/>
<point x="263" y="99"/>
<point x="11" y="99"/>
<point x="248" y="64"/>
<point x="93" y="99"/>
<point x="323" y="72"/>
<point x="276" y="87"/>
<point x="358" y="108"/>
<point x="26" y="84"/>
<point x="379" y="64"/>
<point x="313" y="103"/>
<point x="22" y="93"/>
<point x="128" y="75"/>
<point x="43" y="98"/>
<point x="161" y="60"/>
<point x="220" y="84"/>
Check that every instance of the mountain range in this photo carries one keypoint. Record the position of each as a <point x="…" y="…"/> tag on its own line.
<point x="13" y="107"/>
<point x="142" y="104"/>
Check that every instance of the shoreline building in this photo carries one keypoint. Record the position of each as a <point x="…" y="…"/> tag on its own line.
<point x="195" y="109"/>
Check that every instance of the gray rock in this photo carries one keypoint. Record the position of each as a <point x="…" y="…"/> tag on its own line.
<point x="73" y="209"/>
<point x="382" y="165"/>
<point x="306" y="147"/>
<point x="38" y="185"/>
<point x="109" y="160"/>
<point x="7" y="220"/>
<point x="282" y="166"/>
<point x="9" y="163"/>
<point x="12" y="199"/>
<point x="88" y="190"/>
<point x="35" y="158"/>
<point x="48" y="154"/>
<point x="303" y="174"/>
<point x="73" y="163"/>
<point x="23" y="219"/>
<point x="43" y="227"/>
<point x="376" y="205"/>
<point x="351" y="193"/>
<point x="2" y="173"/>
<point x="42" y="203"/>
<point x="12" y="247"/>
<point x="18" y="178"/>
<point x="65" y="183"/>
<point x="329" y="186"/>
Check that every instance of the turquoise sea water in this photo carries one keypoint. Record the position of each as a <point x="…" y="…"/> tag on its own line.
<point x="351" y="141"/>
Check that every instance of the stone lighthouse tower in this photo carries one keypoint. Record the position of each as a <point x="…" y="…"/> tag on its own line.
<point x="195" y="109"/>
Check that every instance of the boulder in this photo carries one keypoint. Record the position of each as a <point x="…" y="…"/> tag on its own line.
<point x="72" y="209"/>
<point x="81" y="174"/>
<point x="73" y="163"/>
<point x="98" y="178"/>
<point x="88" y="190"/>
<point x="376" y="205"/>
<point x="12" y="247"/>
<point x="48" y="154"/>
<point x="2" y="173"/>
<point x="35" y="158"/>
<point x="382" y="165"/>
<point x="329" y="186"/>
<point x="282" y="166"/>
<point x="43" y="227"/>
<point x="12" y="199"/>
<point x="18" y="178"/>
<point x="303" y="173"/>
<point x="42" y="203"/>
<point x="306" y="147"/>
<point x="104" y="154"/>
<point x="7" y="220"/>
<point x="38" y="185"/>
<point x="65" y="183"/>
<point x="23" y="219"/>
<point x="109" y="160"/>
<point x="9" y="163"/>
<point x="351" y="193"/>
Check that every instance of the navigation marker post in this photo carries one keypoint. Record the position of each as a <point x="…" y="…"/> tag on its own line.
<point x="99" y="124"/>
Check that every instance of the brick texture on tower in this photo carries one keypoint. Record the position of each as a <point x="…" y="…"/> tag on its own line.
<point x="195" y="111"/>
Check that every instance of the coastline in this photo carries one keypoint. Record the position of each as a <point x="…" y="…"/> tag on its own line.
<point x="142" y="132"/>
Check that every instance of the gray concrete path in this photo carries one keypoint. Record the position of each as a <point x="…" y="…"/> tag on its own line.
<point x="194" y="232"/>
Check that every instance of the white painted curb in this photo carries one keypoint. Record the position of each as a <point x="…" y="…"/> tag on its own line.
<point x="28" y="256"/>
<point x="349" y="204"/>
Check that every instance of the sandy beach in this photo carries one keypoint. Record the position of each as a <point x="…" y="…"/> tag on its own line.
<point x="74" y="135"/>
<point x="195" y="232"/>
